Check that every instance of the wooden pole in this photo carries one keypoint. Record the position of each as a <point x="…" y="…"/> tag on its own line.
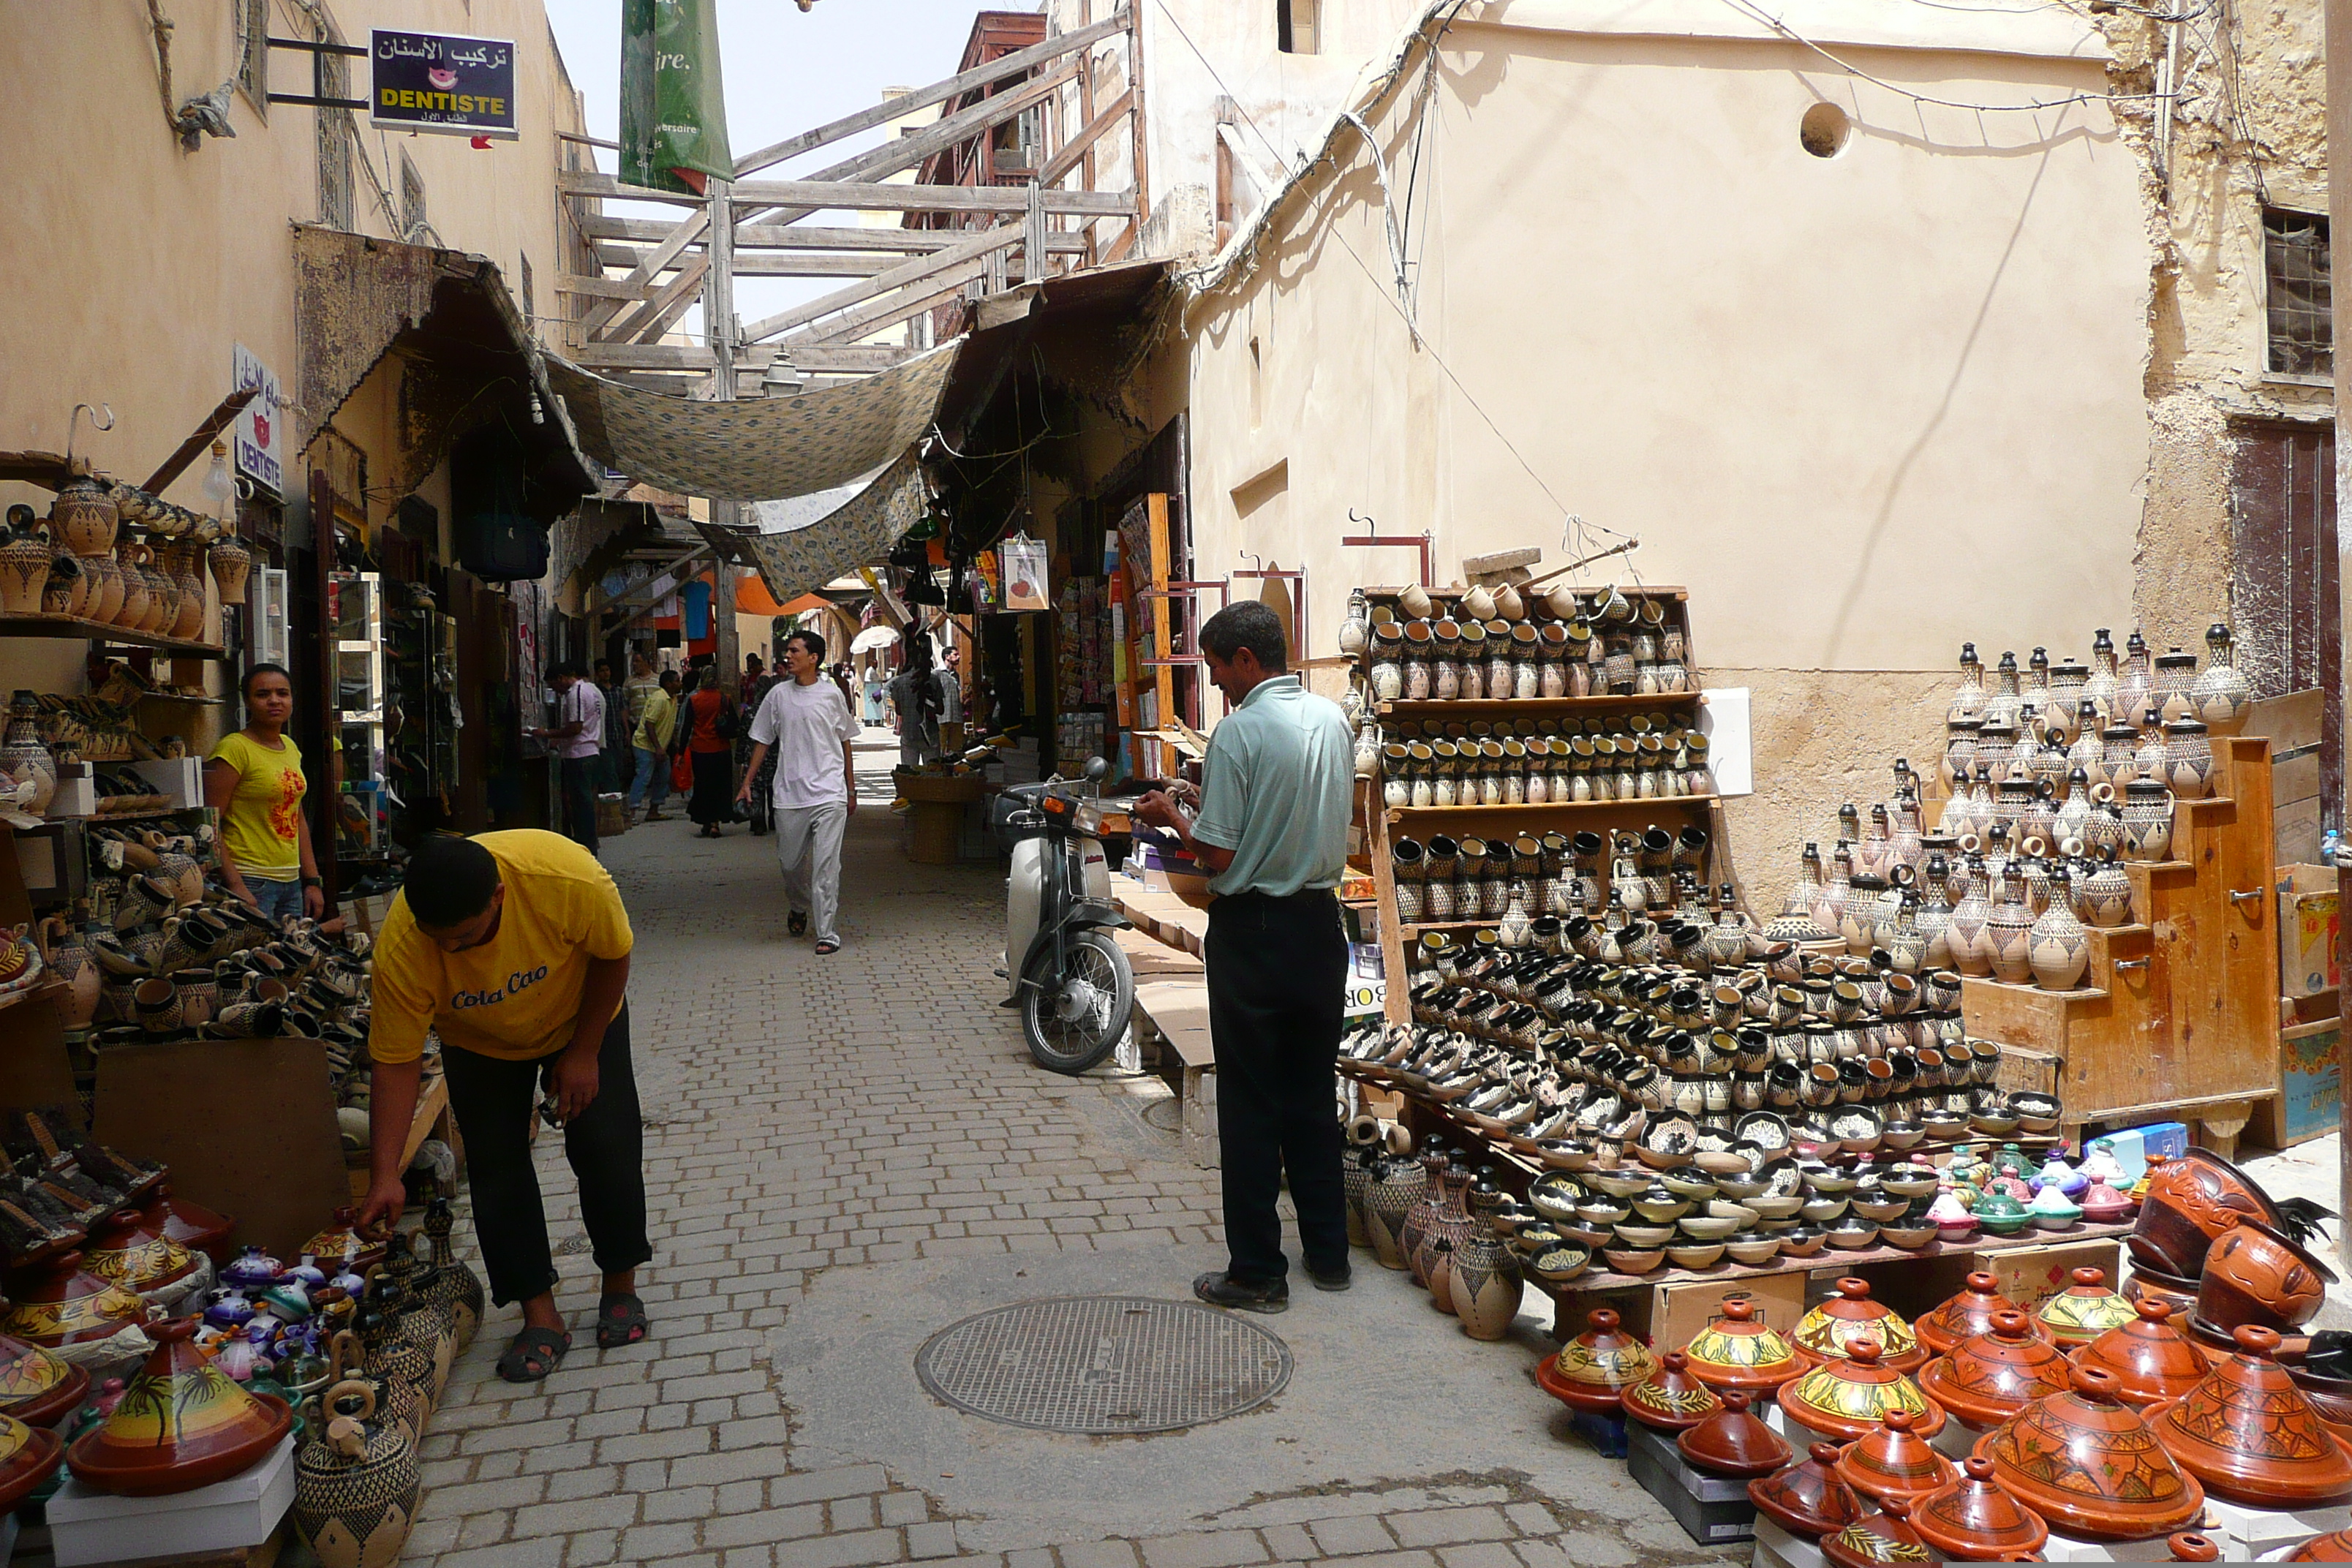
<point x="2339" y="203"/>
<point x="324" y="702"/>
<point x="720" y="329"/>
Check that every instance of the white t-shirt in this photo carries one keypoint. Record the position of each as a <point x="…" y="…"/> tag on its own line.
<point x="584" y="705"/>
<point x="807" y="725"/>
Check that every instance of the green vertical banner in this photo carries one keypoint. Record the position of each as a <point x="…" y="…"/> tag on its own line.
<point x="673" y="101"/>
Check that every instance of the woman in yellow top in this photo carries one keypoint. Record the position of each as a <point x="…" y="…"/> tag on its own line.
<point x="255" y="780"/>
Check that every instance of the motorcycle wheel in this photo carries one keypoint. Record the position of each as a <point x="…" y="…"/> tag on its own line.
<point x="1076" y="1019"/>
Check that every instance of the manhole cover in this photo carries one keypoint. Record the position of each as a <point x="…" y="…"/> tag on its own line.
<point x="1102" y="1365"/>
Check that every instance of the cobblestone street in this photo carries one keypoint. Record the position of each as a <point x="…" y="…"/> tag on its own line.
<point x="847" y="1155"/>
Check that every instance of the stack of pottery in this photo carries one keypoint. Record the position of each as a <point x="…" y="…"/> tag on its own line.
<point x="2186" y="1206"/>
<point x="182" y="1424"/>
<point x="2086" y="1463"/>
<point x="2249" y="1435"/>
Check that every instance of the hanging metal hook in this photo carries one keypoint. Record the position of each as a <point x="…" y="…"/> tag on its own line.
<point x="1257" y="562"/>
<point x="1365" y="521"/>
<point x="78" y="410"/>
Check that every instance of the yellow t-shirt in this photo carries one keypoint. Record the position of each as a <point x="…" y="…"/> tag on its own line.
<point x="264" y="819"/>
<point x="517" y="996"/>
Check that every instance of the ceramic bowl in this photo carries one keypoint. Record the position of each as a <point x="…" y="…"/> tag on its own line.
<point x="1824" y="1207"/>
<point x="1824" y="1178"/>
<point x="1903" y="1134"/>
<point x="1634" y="1259"/>
<point x="1623" y="1182"/>
<point x="1994" y="1123"/>
<point x="1530" y="1239"/>
<point x="1636" y="1232"/>
<point x="1588" y="1235"/>
<point x="1878" y="1205"/>
<point x="1943" y="1124"/>
<point x="1752" y="1248"/>
<point x="1911" y="1180"/>
<point x="1724" y="1208"/>
<point x="1908" y="1233"/>
<point x="1659" y="1206"/>
<point x="1742" y="1187"/>
<point x="1695" y="1254"/>
<point x="1688" y="1181"/>
<point x="1602" y="1210"/>
<point x="1777" y="1227"/>
<point x="1773" y="1206"/>
<point x="1721" y="1162"/>
<point x="1706" y="1227"/>
<point x="1804" y="1241"/>
<point x="1565" y="1154"/>
<point x="2036" y="1113"/>
<point x="1853" y="1233"/>
<point x="1558" y="1265"/>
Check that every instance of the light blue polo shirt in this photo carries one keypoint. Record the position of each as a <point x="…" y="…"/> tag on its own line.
<point x="1275" y="791"/>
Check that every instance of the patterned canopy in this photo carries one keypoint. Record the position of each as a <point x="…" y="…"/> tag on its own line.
<point x="796" y="559"/>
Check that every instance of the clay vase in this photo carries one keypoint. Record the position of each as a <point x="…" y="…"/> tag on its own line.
<point x="2189" y="1201"/>
<point x="1847" y="1397"/>
<point x="1592" y="1369"/>
<point x="2083" y="1311"/>
<point x="23" y="756"/>
<point x="1740" y="1352"/>
<point x="1670" y="1398"/>
<point x="24" y="556"/>
<point x="2222" y="695"/>
<point x="1885" y="1536"/>
<point x="102" y="601"/>
<point x="189" y="625"/>
<point x="183" y="1424"/>
<point x="1397" y="1184"/>
<point x="1973" y="1521"/>
<point x="1965" y="1316"/>
<point x="1808" y="1498"/>
<point x="131" y="611"/>
<point x="83" y="517"/>
<point x="355" y="1481"/>
<point x="1894" y="1461"/>
<point x="1734" y="1443"/>
<point x="1986" y="1380"/>
<point x="1484" y="1280"/>
<point x="2059" y="945"/>
<point x="1850" y="1314"/>
<point x="163" y="595"/>
<point x="2086" y="1463"/>
<point x="401" y="1372"/>
<point x="2152" y="1360"/>
<point x="2247" y="1432"/>
<point x="2254" y="1274"/>
<point x="2008" y="930"/>
<point x="230" y="562"/>
<point x="57" y="1302"/>
<point x="35" y="1387"/>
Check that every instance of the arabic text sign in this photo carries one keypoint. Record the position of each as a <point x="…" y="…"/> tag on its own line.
<point x="435" y="81"/>
<point x="257" y="438"/>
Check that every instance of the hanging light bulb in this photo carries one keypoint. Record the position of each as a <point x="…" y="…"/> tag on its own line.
<point x="220" y="487"/>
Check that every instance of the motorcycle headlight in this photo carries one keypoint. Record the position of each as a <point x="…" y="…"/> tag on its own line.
<point x="1088" y="819"/>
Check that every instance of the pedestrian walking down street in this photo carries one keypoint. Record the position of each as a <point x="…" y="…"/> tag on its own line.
<point x="657" y="722"/>
<point x="805" y="725"/>
<point x="1273" y="832"/>
<point x="757" y="684"/>
<point x="710" y="720"/>
<point x="514" y="948"/>
<point x="615" y="738"/>
<point x="577" y="739"/>
<point x="914" y="697"/>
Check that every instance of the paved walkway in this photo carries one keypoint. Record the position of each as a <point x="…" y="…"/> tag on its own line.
<point x="848" y="1153"/>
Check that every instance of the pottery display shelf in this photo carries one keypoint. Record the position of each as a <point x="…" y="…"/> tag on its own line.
<point x="432" y="1109"/>
<point x="1431" y="709"/>
<point x="104" y="632"/>
<point x="2182" y="1026"/>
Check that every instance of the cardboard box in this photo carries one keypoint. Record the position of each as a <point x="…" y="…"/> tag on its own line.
<point x="2311" y="1088"/>
<point x="1368" y="985"/>
<point x="1680" y="1310"/>
<point x="2030" y="1275"/>
<point x="2311" y="922"/>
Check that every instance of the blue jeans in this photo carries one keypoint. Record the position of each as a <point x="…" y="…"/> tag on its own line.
<point x="652" y="783"/>
<point x="277" y="900"/>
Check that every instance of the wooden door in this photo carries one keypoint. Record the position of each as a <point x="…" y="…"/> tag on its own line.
<point x="2282" y="537"/>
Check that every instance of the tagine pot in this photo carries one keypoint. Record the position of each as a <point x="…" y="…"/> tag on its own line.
<point x="2333" y="1547"/>
<point x="1974" y="1521"/>
<point x="1732" y="1442"/>
<point x="2152" y="1360"/>
<point x="2255" y="1275"/>
<point x="1893" y="1461"/>
<point x="2083" y="1311"/>
<point x="1885" y="1536"/>
<point x="29" y="1456"/>
<point x="124" y="1251"/>
<point x="2089" y="1466"/>
<point x="1808" y="1498"/>
<point x="1964" y="1316"/>
<point x="1991" y="1378"/>
<point x="1850" y="1314"/>
<point x="183" y="1424"/>
<point x="2247" y="1432"/>
<point x="1849" y="1397"/>
<point x="1592" y="1369"/>
<point x="194" y="1227"/>
<point x="1740" y="1352"/>
<point x="1670" y="1398"/>
<point x="2191" y="1201"/>
<point x="57" y="1302"/>
<point x="35" y="1387"/>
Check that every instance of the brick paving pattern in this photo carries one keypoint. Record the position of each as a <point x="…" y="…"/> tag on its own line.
<point x="808" y="1114"/>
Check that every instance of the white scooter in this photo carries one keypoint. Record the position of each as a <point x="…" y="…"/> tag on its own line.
<point x="1071" y="982"/>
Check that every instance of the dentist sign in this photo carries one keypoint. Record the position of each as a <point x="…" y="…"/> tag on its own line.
<point x="434" y="82"/>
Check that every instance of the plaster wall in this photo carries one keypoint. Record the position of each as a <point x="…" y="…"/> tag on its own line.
<point x="1864" y="407"/>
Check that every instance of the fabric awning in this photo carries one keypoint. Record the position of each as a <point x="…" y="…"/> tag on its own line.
<point x="797" y="560"/>
<point x="755" y="448"/>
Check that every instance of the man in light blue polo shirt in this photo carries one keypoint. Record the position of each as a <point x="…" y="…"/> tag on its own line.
<point x="1273" y="831"/>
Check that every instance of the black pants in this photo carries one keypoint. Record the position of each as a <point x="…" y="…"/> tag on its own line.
<point x="579" y="776"/>
<point x="494" y="1102"/>
<point x="1278" y="969"/>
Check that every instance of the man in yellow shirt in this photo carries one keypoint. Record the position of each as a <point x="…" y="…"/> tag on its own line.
<point x="514" y="947"/>
<point x="650" y="739"/>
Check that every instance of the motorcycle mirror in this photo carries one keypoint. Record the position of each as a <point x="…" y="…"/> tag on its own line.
<point x="1096" y="768"/>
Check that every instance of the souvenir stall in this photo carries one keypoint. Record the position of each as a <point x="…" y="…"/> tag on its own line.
<point x="197" y="1346"/>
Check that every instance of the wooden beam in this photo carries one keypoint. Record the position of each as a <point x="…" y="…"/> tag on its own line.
<point x="1059" y="165"/>
<point x="218" y="420"/>
<point x="857" y="195"/>
<point x="596" y="287"/>
<point x="844" y="263"/>
<point x="786" y="236"/>
<point x="655" y="261"/>
<point x="985" y="243"/>
<point x="1015" y="63"/>
<point x="685" y="286"/>
<point x="846" y="359"/>
<point x="890" y="310"/>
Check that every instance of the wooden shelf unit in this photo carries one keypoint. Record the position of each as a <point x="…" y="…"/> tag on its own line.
<point x="104" y="632"/>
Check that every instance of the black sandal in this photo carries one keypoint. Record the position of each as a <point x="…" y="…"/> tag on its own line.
<point x="828" y="945"/>
<point x="620" y="1320"/>
<point x="796" y="923"/>
<point x="534" y="1353"/>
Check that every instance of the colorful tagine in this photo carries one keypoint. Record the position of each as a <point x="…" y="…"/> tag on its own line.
<point x="57" y="1302"/>
<point x="1973" y="1521"/>
<point x="2084" y="1311"/>
<point x="2247" y="1432"/>
<point x="1670" y="1398"/>
<point x="1986" y="1380"/>
<point x="1847" y="1397"/>
<point x="124" y="1251"/>
<point x="1964" y="1316"/>
<point x="181" y="1425"/>
<point x="1808" y="1498"/>
<point x="1732" y="1442"/>
<point x="1740" y="1351"/>
<point x="35" y="1387"/>
<point x="1894" y="1461"/>
<point x="196" y="1228"/>
<point x="1592" y="1369"/>
<point x="2335" y="1547"/>
<point x="28" y="1457"/>
<point x="2152" y="1360"/>
<point x="1885" y="1536"/>
<point x="2086" y="1463"/>
<point x="1850" y="1314"/>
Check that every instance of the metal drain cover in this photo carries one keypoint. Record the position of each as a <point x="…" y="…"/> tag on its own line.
<point x="1102" y="1365"/>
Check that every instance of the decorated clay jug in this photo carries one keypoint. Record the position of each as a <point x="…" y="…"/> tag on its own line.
<point x="23" y="754"/>
<point x="355" y="1481"/>
<point x="2222" y="695"/>
<point x="83" y="517"/>
<point x="24" y="555"/>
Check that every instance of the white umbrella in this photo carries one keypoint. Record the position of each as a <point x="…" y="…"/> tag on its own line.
<point x="873" y="639"/>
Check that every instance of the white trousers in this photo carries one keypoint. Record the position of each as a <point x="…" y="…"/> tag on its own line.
<point x="808" y="846"/>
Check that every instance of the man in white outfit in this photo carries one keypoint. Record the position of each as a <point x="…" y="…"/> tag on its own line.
<point x="809" y="723"/>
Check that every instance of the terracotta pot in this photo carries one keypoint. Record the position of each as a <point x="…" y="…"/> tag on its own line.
<point x="2146" y="1284"/>
<point x="1974" y="1521"/>
<point x="2087" y="1462"/>
<point x="2335" y="1547"/>
<point x="2248" y="1433"/>
<point x="57" y="1302"/>
<point x="230" y="562"/>
<point x="123" y="1251"/>
<point x="355" y="1482"/>
<point x="2152" y="1360"/>
<point x="84" y="516"/>
<point x="1808" y="1498"/>
<point x="1732" y="1442"/>
<point x="24" y="559"/>
<point x="1894" y="1461"/>
<point x="1965" y="1316"/>
<point x="189" y="577"/>
<point x="1986" y="1380"/>
<point x="1739" y="1351"/>
<point x="1670" y="1398"/>
<point x="2254" y="1274"/>
<point x="195" y="1229"/>
<point x="1592" y="1369"/>
<point x="35" y="1387"/>
<point x="2084" y="1311"/>
<point x="1849" y="1397"/>
<point x="2189" y="1202"/>
<point x="1885" y="1536"/>
<point x="183" y="1424"/>
<point x="1850" y="1315"/>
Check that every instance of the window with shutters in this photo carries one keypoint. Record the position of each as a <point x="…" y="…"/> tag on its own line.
<point x="252" y="53"/>
<point x="1298" y="26"/>
<point x="413" y="219"/>
<point x="335" y="208"/>
<point x="2300" y="297"/>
